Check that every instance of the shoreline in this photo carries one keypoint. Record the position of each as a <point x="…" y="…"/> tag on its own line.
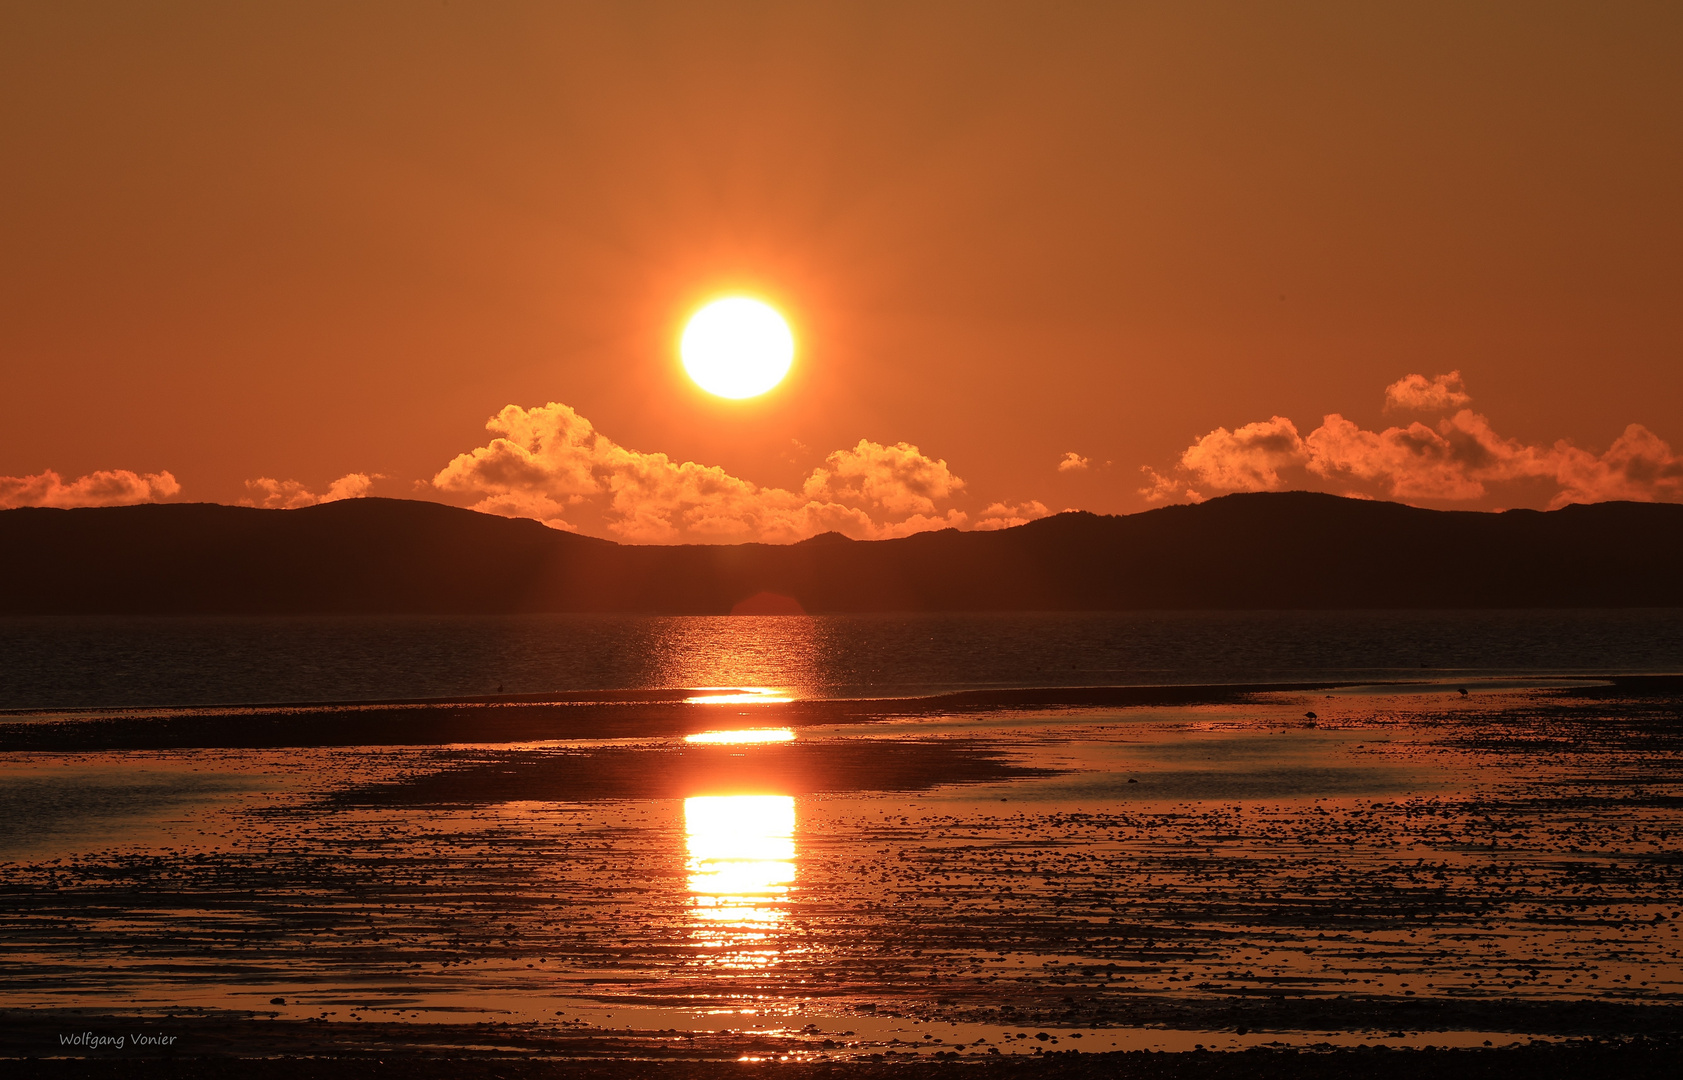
<point x="664" y="713"/>
<point x="1023" y="696"/>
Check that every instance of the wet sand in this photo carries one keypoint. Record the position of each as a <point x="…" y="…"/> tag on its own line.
<point x="1633" y="1061"/>
<point x="524" y="718"/>
<point x="952" y="881"/>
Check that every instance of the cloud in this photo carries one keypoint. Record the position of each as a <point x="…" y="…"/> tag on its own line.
<point x="1249" y="459"/>
<point x="1457" y="459"/>
<point x="898" y="479"/>
<point x="1009" y="515"/>
<point x="108" y="487"/>
<point x="1072" y="462"/>
<point x="1454" y="461"/>
<point x="1639" y="466"/>
<point x="1161" y="488"/>
<point x="290" y="494"/>
<point x="550" y="463"/>
<point x="351" y="486"/>
<point x="1416" y="393"/>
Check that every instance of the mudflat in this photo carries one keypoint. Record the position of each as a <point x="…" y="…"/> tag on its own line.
<point x="1011" y="885"/>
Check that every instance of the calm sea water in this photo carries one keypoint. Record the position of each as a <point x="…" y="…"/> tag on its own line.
<point x="89" y="662"/>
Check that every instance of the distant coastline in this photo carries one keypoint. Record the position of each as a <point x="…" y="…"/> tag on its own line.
<point x="1287" y="550"/>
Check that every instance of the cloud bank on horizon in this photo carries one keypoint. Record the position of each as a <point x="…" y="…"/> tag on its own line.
<point x="547" y="462"/>
<point x="1456" y="459"/>
<point x="107" y="487"/>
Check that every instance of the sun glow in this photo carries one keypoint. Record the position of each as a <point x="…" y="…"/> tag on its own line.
<point x="737" y="347"/>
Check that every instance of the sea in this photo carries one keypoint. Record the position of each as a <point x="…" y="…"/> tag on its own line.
<point x="123" y="662"/>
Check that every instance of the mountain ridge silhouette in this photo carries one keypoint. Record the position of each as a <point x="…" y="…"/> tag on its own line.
<point x="1253" y="550"/>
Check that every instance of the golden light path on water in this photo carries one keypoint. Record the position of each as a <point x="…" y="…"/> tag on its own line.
<point x="738" y="695"/>
<point x="741" y="865"/>
<point x="731" y="660"/>
<point x="742" y="737"/>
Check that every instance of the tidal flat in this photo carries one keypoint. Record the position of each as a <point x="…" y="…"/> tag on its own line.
<point x="716" y="876"/>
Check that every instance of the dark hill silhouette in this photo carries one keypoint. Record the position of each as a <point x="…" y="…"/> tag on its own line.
<point x="1277" y="550"/>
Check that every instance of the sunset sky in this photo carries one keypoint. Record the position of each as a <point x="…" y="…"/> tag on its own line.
<point x="1033" y="256"/>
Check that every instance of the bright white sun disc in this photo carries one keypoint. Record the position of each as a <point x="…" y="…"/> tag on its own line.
<point x="737" y="347"/>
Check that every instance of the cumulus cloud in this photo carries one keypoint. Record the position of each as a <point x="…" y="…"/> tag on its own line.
<point x="1453" y="461"/>
<point x="550" y="463"/>
<point x="1009" y="515"/>
<point x="1416" y="393"/>
<point x="1639" y="466"/>
<point x="1165" y="488"/>
<point x="290" y="494"/>
<point x="1249" y="459"/>
<point x="897" y="479"/>
<point x="1456" y="459"/>
<point x="1072" y="462"/>
<point x="107" y="487"/>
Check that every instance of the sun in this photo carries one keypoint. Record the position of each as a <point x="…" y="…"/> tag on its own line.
<point x="737" y="347"/>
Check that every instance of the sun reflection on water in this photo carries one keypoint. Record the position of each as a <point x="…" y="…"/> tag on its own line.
<point x="741" y="866"/>
<point x="742" y="737"/>
<point x="738" y="695"/>
<point x="722" y="657"/>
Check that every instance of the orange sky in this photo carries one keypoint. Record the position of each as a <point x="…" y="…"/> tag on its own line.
<point x="296" y="242"/>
